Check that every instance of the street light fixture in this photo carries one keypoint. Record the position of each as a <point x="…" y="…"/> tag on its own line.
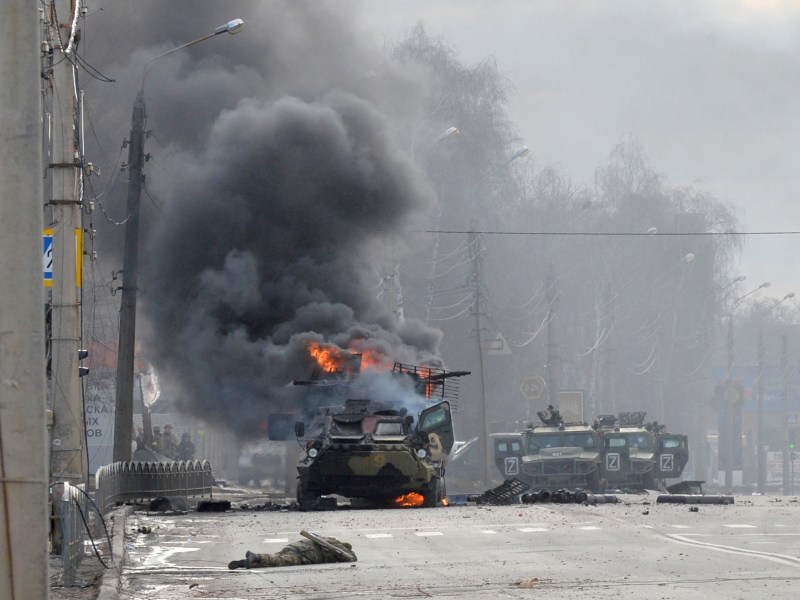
<point x="123" y="414"/>
<point x="730" y="399"/>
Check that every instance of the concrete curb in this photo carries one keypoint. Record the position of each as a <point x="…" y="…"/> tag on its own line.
<point x="109" y="586"/>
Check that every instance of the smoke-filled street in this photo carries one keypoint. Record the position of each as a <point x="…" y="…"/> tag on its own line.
<point x="387" y="251"/>
<point x="633" y="549"/>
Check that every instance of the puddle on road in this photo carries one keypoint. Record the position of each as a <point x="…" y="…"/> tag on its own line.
<point x="159" y="556"/>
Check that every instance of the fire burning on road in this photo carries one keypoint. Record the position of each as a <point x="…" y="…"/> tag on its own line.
<point x="410" y="499"/>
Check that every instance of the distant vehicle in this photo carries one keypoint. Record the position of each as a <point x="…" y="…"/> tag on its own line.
<point x="623" y="452"/>
<point x="377" y="451"/>
<point x="639" y="455"/>
<point x="629" y="457"/>
<point x="552" y="456"/>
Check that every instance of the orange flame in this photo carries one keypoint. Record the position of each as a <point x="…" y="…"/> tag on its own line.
<point x="409" y="499"/>
<point x="332" y="359"/>
<point x="445" y="502"/>
<point x="370" y="357"/>
<point x="329" y="358"/>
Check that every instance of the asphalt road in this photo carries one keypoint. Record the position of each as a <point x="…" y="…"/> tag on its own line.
<point x="634" y="549"/>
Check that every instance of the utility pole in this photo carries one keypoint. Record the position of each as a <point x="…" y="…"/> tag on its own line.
<point x="552" y="354"/>
<point x="475" y="245"/>
<point x="761" y="454"/>
<point x="729" y="401"/>
<point x="123" y="412"/>
<point x="68" y="445"/>
<point x="24" y="512"/>
<point x="785" y="405"/>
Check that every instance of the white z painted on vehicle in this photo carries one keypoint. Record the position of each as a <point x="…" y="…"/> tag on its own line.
<point x="512" y="465"/>
<point x="667" y="462"/>
<point x="612" y="462"/>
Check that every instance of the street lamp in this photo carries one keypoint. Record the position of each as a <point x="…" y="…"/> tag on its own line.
<point x="730" y="398"/>
<point x="123" y="414"/>
<point x="761" y="452"/>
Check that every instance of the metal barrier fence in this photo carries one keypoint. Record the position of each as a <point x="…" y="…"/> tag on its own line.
<point x="74" y="509"/>
<point x="123" y="481"/>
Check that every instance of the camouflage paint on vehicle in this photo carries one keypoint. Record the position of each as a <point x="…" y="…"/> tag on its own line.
<point x="368" y="450"/>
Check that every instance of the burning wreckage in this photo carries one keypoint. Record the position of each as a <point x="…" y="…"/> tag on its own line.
<point x="377" y="435"/>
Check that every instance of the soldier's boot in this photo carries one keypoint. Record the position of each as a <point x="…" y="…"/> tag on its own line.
<point x="253" y="560"/>
<point x="237" y="564"/>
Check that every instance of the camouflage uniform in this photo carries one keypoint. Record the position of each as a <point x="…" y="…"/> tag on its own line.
<point x="168" y="442"/>
<point x="304" y="552"/>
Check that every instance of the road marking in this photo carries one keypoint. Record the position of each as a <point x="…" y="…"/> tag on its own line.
<point x="681" y="526"/>
<point x="276" y="541"/>
<point x="488" y="531"/>
<point x="375" y="536"/>
<point x="589" y="528"/>
<point x="532" y="529"/>
<point x="648" y="526"/>
<point x="783" y="559"/>
<point x="428" y="533"/>
<point x="740" y="526"/>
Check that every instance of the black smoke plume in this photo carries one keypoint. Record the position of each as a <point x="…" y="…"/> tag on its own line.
<point x="283" y="187"/>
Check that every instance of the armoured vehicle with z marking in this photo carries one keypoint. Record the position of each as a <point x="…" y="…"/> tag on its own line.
<point x="613" y="452"/>
<point x="639" y="455"/>
<point x="552" y="456"/>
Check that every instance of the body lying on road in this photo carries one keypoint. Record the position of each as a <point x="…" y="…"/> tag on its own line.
<point x="314" y="549"/>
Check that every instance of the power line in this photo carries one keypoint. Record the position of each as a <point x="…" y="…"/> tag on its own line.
<point x="612" y="233"/>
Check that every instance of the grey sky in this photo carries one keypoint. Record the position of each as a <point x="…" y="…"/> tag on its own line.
<point x="709" y="87"/>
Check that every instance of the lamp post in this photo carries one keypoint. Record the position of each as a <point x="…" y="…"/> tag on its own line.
<point x="761" y="452"/>
<point x="123" y="414"/>
<point x="731" y="399"/>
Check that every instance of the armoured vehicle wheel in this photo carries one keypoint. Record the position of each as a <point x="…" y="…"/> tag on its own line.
<point x="308" y="500"/>
<point x="434" y="495"/>
<point x="596" y="484"/>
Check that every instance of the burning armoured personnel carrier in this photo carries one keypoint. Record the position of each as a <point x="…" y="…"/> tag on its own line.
<point x="639" y="455"/>
<point x="552" y="456"/>
<point x="387" y="451"/>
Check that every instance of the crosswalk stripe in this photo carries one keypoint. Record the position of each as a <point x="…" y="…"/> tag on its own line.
<point x="374" y="536"/>
<point x="276" y="541"/>
<point x="532" y="529"/>
<point x="428" y="533"/>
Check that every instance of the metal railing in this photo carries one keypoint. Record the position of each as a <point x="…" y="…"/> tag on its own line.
<point x="74" y="508"/>
<point x="124" y="481"/>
